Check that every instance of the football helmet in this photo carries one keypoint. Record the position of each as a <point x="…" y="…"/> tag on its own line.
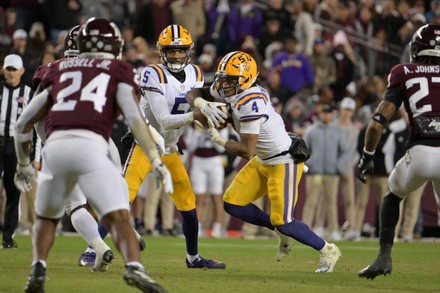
<point x="236" y="72"/>
<point x="70" y="47"/>
<point x="425" y="42"/>
<point x="175" y="37"/>
<point x="100" y="38"/>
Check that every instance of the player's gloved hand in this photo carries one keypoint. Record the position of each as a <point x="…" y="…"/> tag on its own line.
<point x="162" y="175"/>
<point x="214" y="135"/>
<point x="365" y="167"/>
<point x="158" y="140"/>
<point x="23" y="177"/>
<point x="127" y="140"/>
<point x="212" y="110"/>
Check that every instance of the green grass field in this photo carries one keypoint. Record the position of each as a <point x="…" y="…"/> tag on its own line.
<point x="251" y="268"/>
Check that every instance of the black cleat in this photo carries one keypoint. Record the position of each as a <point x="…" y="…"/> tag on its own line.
<point x="136" y="277"/>
<point x="381" y="266"/>
<point x="37" y="277"/>
<point x="203" y="263"/>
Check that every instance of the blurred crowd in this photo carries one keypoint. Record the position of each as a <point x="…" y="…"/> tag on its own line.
<point x="324" y="62"/>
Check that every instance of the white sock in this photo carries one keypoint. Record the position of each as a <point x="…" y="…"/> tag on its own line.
<point x="85" y="225"/>
<point x="43" y="262"/>
<point x="192" y="258"/>
<point x="135" y="264"/>
<point x="99" y="245"/>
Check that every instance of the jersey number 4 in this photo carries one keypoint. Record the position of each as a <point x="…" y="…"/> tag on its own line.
<point x="94" y="91"/>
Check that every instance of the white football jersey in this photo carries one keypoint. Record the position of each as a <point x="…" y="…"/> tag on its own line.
<point x="253" y="113"/>
<point x="163" y="99"/>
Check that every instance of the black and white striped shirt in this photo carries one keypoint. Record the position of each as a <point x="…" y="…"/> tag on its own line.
<point x="12" y="102"/>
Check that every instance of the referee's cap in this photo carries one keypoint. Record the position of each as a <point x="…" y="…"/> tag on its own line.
<point x="14" y="61"/>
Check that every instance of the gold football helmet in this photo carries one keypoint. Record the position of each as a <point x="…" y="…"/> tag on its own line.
<point x="236" y="72"/>
<point x="175" y="37"/>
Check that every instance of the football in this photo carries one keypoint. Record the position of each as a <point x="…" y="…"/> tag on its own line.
<point x="228" y="110"/>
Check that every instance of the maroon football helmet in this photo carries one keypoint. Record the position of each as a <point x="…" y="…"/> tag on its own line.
<point x="70" y="47"/>
<point x="425" y="42"/>
<point x="99" y="37"/>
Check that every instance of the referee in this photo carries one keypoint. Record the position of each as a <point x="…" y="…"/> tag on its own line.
<point x="14" y="96"/>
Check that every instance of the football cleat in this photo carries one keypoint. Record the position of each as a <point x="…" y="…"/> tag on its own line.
<point x="330" y="255"/>
<point x="284" y="245"/>
<point x="138" y="278"/>
<point x="103" y="261"/>
<point x="203" y="263"/>
<point x="142" y="244"/>
<point x="9" y="244"/>
<point x="381" y="266"/>
<point x="37" y="277"/>
<point x="87" y="259"/>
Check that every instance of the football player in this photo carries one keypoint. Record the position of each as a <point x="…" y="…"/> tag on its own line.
<point x="415" y="85"/>
<point x="98" y="254"/>
<point x="81" y="98"/>
<point x="163" y="89"/>
<point x="272" y="168"/>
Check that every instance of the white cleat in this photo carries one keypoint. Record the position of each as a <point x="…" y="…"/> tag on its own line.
<point x="284" y="245"/>
<point x="330" y="255"/>
<point x="103" y="260"/>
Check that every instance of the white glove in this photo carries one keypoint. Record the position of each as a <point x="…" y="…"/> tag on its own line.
<point x="24" y="177"/>
<point x="162" y="175"/>
<point x="158" y="140"/>
<point x="211" y="110"/>
<point x="215" y="136"/>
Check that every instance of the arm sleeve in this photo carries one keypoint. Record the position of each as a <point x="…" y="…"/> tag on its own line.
<point x="161" y="112"/>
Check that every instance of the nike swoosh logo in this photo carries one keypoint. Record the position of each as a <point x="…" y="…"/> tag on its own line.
<point x="83" y="263"/>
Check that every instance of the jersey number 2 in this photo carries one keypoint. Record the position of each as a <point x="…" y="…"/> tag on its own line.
<point x="423" y="91"/>
<point x="94" y="91"/>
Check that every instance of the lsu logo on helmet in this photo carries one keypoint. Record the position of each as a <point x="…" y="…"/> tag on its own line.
<point x="236" y="72"/>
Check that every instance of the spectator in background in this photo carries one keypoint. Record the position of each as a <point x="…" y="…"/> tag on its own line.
<point x="223" y="21"/>
<point x="347" y="109"/>
<point x="271" y="33"/>
<point x="152" y="17"/>
<point x="294" y="114"/>
<point x="250" y="19"/>
<point x="27" y="11"/>
<point x="323" y="64"/>
<point x="148" y="201"/>
<point x="15" y="95"/>
<point x="345" y="65"/>
<point x="304" y="31"/>
<point x="207" y="177"/>
<point x="276" y="10"/>
<point x="378" y="180"/>
<point x="329" y="159"/>
<point x="20" y="47"/>
<point x="62" y="15"/>
<point x="365" y="27"/>
<point x="295" y="69"/>
<point x="191" y="15"/>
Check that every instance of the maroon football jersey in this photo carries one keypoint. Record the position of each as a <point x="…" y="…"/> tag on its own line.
<point x="84" y="93"/>
<point x="417" y="86"/>
<point x="38" y="75"/>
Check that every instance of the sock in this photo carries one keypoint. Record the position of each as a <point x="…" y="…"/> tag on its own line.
<point x="43" y="262"/>
<point x="302" y="233"/>
<point x="249" y="213"/>
<point x="136" y="264"/>
<point x="85" y="225"/>
<point x="389" y="215"/>
<point x="191" y="258"/>
<point x="103" y="232"/>
<point x="190" y="227"/>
